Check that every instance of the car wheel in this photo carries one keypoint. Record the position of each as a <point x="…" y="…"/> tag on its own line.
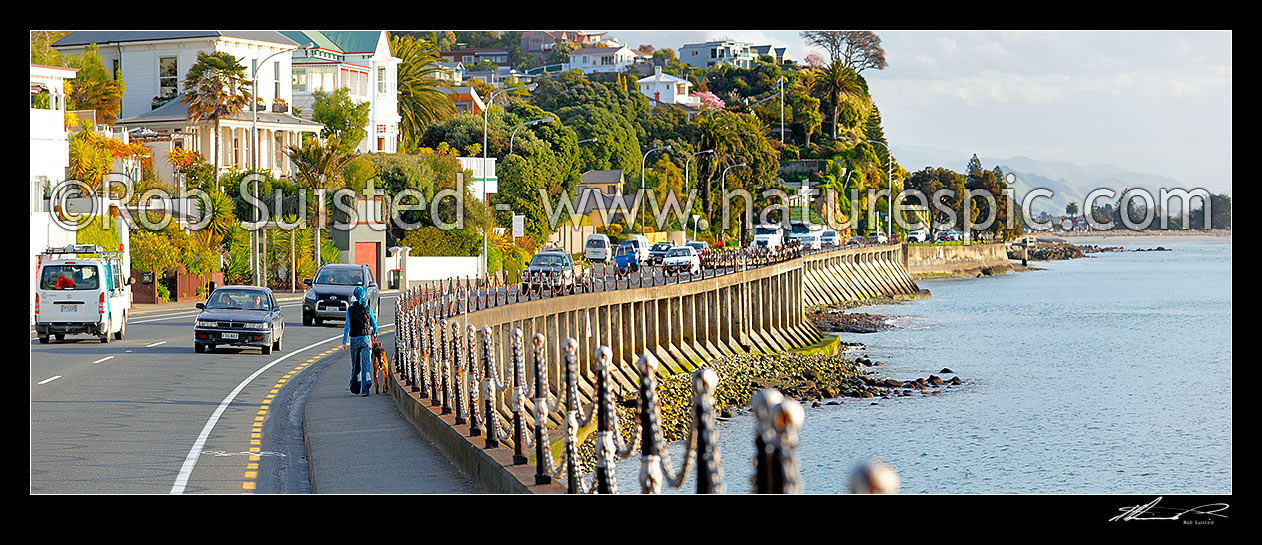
<point x="276" y="345"/>
<point x="306" y="320"/>
<point x="319" y="321"/>
<point x="199" y="348"/>
<point x="267" y="350"/>
<point x="105" y="337"/>
<point x="210" y="347"/>
<point x="43" y="339"/>
<point x="60" y="336"/>
<point x="122" y="329"/>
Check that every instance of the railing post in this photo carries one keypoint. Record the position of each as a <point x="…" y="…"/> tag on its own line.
<point x="574" y="419"/>
<point x="458" y="372"/>
<point x="519" y="401"/>
<point x="444" y="363"/>
<point x="605" y="481"/>
<point x="475" y="419"/>
<point x="761" y="403"/>
<point x="650" y="426"/>
<point x="431" y="356"/>
<point x="543" y="458"/>
<point x="709" y="463"/>
<point x="779" y="419"/>
<point x="490" y="386"/>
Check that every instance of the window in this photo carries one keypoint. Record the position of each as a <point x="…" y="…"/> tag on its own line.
<point x="713" y="54"/>
<point x="381" y="79"/>
<point x="276" y="79"/>
<point x="116" y="68"/>
<point x="299" y="79"/>
<point x="168" y="77"/>
<point x="363" y="83"/>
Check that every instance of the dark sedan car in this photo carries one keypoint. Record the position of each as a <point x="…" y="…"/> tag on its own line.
<point x="239" y="316"/>
<point x="658" y="252"/>
<point x="556" y="267"/>
<point x="329" y="294"/>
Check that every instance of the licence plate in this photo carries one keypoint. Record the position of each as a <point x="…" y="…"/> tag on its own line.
<point x="68" y="308"/>
<point x="228" y="335"/>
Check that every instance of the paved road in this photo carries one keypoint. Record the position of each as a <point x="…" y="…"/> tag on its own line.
<point x="147" y="415"/>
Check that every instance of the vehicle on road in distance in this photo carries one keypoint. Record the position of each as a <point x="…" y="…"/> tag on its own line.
<point x="700" y="247"/>
<point x="877" y="237"/>
<point x="811" y="241"/>
<point x="81" y="289"/>
<point x="769" y="236"/>
<point x="245" y="316"/>
<point x="641" y="244"/>
<point x="626" y="259"/>
<point x="918" y="235"/>
<point x="597" y="248"/>
<point x="950" y="236"/>
<point x="830" y="238"/>
<point x="658" y="251"/>
<point x="549" y="270"/>
<point x="682" y="258"/>
<point x="856" y="240"/>
<point x="329" y="294"/>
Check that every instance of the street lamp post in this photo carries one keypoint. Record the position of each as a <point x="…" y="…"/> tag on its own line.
<point x="254" y="152"/>
<point x="890" y="180"/>
<point x="722" y="194"/>
<point x="514" y="135"/>
<point x="642" y="159"/>
<point x="485" y="196"/>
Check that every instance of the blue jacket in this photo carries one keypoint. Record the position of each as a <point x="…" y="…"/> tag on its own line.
<point x="359" y="300"/>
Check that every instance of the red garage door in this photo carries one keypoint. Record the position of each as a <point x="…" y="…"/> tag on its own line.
<point x="366" y="254"/>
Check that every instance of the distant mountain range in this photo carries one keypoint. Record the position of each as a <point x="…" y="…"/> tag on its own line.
<point x="1068" y="181"/>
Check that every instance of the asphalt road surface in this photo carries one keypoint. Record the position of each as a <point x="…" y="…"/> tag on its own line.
<point x="147" y="415"/>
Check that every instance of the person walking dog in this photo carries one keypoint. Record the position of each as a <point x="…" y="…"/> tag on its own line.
<point x="361" y="328"/>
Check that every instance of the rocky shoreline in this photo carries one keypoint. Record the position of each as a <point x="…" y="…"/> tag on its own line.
<point x="1051" y="251"/>
<point x="836" y="321"/>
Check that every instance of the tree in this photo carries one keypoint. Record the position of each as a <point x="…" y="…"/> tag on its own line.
<point x="421" y="97"/>
<point x="560" y="53"/>
<point x="858" y="50"/>
<point x="839" y="82"/>
<point x="319" y="165"/>
<point x="216" y="87"/>
<point x="345" y="122"/>
<point x="94" y="88"/>
<point x="1071" y="209"/>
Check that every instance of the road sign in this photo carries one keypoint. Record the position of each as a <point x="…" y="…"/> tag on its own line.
<point x="519" y="226"/>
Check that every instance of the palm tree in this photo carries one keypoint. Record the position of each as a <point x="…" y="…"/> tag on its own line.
<point x="319" y="165"/>
<point x="838" y="81"/>
<point x="421" y="101"/>
<point x="216" y="87"/>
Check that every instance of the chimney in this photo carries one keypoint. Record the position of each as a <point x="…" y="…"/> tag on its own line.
<point x="657" y="71"/>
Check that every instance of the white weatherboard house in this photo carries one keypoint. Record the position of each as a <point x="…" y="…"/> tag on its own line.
<point x="708" y="54"/>
<point x="592" y="60"/>
<point x="153" y="65"/>
<point x="50" y="157"/>
<point x="360" y="62"/>
<point x="668" y="89"/>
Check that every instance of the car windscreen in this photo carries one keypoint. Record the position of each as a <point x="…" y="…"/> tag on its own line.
<point x="70" y="277"/>
<point x="676" y="252"/>
<point x="661" y="247"/>
<point x="765" y="230"/>
<point x="229" y="299"/>
<point x="800" y="228"/>
<point x="547" y="260"/>
<point x="596" y="243"/>
<point x="340" y="277"/>
<point x="697" y="245"/>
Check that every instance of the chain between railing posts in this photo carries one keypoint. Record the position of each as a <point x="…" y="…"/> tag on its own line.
<point x="519" y="401"/>
<point x="544" y="403"/>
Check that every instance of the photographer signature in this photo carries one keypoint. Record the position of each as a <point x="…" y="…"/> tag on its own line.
<point x="1149" y="511"/>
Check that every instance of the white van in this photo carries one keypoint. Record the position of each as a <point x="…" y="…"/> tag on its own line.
<point x="642" y="246"/>
<point x="81" y="289"/>
<point x="597" y="248"/>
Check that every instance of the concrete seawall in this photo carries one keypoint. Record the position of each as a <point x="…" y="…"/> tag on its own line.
<point x="684" y="325"/>
<point x="951" y="260"/>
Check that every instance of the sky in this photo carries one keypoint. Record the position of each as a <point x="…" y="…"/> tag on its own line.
<point x="1156" y="102"/>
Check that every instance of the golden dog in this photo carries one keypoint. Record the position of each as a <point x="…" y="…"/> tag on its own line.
<point x="380" y="368"/>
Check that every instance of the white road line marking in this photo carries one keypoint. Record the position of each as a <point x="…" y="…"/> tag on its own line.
<point x="50" y="379"/>
<point x="154" y="344"/>
<point x="186" y="470"/>
<point x="103" y="359"/>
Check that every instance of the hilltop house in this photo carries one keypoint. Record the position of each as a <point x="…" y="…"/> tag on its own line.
<point x="472" y="56"/>
<point x="708" y="54"/>
<point x="154" y="63"/>
<point x="668" y="89"/>
<point x="360" y="62"/>
<point x="592" y="60"/>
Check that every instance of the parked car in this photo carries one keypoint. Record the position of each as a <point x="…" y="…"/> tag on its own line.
<point x="682" y="258"/>
<point x="82" y="294"/>
<point x="597" y="248"/>
<point x="658" y="251"/>
<point x="641" y="245"/>
<point x="830" y="238"/>
<point x="549" y="270"/>
<point x="877" y="237"/>
<point x="918" y="235"/>
<point x="625" y="258"/>
<point x="700" y="247"/>
<point x="239" y="316"/>
<point x="329" y="293"/>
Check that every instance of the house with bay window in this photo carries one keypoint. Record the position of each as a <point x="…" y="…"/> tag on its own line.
<point x="358" y="61"/>
<point x="153" y="64"/>
<point x="592" y="60"/>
